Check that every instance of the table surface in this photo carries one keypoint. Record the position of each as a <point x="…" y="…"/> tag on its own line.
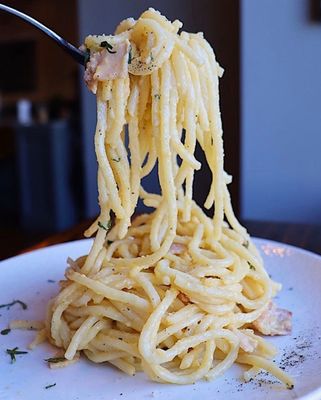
<point x="301" y="235"/>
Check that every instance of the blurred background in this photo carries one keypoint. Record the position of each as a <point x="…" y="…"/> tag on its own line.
<point x="270" y="101"/>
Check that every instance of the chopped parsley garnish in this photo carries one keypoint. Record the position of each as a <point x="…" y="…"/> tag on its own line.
<point x="252" y="267"/>
<point x="246" y="244"/>
<point x="14" y="352"/>
<point x="50" y="386"/>
<point x="107" y="227"/>
<point x="107" y="46"/>
<point x="5" y="331"/>
<point x="54" y="360"/>
<point x="116" y="159"/>
<point x="157" y="96"/>
<point x="23" y="305"/>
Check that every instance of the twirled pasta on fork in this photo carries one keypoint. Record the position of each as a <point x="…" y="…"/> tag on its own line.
<point x="175" y="293"/>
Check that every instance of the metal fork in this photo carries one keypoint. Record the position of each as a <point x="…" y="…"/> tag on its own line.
<point x="75" y="53"/>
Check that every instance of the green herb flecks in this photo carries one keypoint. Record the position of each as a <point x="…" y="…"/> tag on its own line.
<point x="116" y="159"/>
<point x="107" y="46"/>
<point x="106" y="227"/>
<point x="5" y="331"/>
<point x="157" y="96"/>
<point x="23" y="305"/>
<point x="252" y="267"/>
<point x="50" y="386"/>
<point x="246" y="244"/>
<point x="87" y="56"/>
<point x="15" y="352"/>
<point x="54" y="360"/>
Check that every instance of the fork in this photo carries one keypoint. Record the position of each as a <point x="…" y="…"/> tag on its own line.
<point x="75" y="53"/>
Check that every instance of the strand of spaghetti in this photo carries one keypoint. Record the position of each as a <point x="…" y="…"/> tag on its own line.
<point x="148" y="337"/>
<point x="101" y="356"/>
<point x="231" y="216"/>
<point x="57" y="306"/>
<point x="103" y="202"/>
<point x="184" y="154"/>
<point x="123" y="366"/>
<point x="167" y="332"/>
<point x="217" y="150"/>
<point x="118" y="161"/>
<point x="108" y="292"/>
<point x="96" y="248"/>
<point x="103" y="310"/>
<point x="191" y="341"/>
<point x="148" y="287"/>
<point x="121" y="345"/>
<point x="103" y="161"/>
<point x="121" y="92"/>
<point x="190" y="143"/>
<point x="151" y="160"/>
<point x="160" y="215"/>
<point x="135" y="171"/>
<point x="144" y="98"/>
<point x="269" y="366"/>
<point x="78" y="336"/>
<point x="229" y="359"/>
<point x="202" y="370"/>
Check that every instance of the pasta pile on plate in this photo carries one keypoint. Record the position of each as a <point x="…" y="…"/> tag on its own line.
<point x="174" y="293"/>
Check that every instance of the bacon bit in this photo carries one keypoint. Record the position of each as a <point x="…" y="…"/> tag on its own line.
<point x="183" y="298"/>
<point x="177" y="248"/>
<point x="104" y="65"/>
<point x="274" y="321"/>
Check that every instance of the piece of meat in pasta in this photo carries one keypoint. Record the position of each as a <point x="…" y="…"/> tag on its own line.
<point x="274" y="321"/>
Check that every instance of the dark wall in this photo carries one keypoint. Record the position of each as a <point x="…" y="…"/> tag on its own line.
<point x="281" y="118"/>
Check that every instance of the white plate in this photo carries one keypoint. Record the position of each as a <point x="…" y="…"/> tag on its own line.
<point x="25" y="277"/>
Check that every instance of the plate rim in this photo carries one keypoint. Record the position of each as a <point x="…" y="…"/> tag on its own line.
<point x="257" y="241"/>
<point x="291" y="246"/>
<point x="313" y="395"/>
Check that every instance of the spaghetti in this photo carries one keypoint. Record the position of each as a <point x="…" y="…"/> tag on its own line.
<point x="174" y="293"/>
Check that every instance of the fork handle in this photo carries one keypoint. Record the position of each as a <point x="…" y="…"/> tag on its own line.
<point x="77" y="54"/>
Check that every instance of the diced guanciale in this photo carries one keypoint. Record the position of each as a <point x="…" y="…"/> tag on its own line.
<point x="103" y="65"/>
<point x="183" y="298"/>
<point x="177" y="248"/>
<point x="274" y="321"/>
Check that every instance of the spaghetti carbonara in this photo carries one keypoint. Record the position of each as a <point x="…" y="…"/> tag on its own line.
<point x="174" y="293"/>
